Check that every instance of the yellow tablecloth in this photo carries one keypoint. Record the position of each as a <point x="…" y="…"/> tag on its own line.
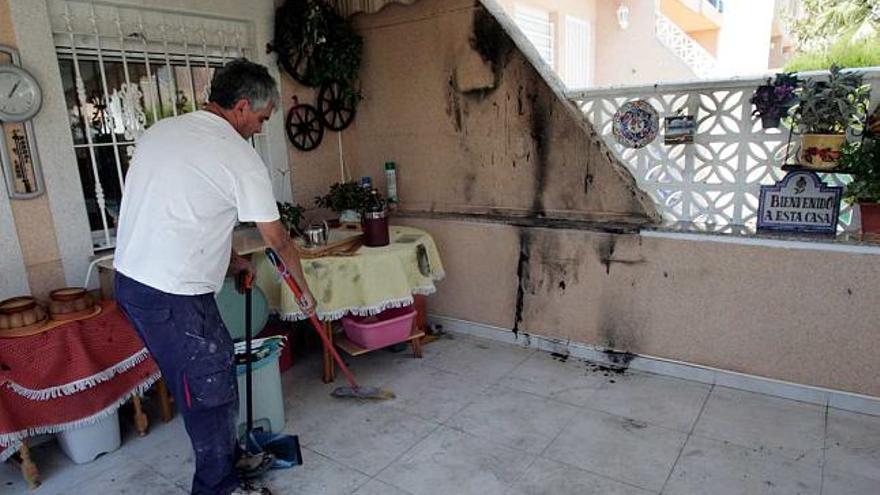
<point x="373" y="280"/>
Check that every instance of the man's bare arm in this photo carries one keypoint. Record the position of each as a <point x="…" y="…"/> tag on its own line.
<point x="277" y="238"/>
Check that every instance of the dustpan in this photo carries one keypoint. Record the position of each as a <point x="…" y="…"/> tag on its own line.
<point x="285" y="448"/>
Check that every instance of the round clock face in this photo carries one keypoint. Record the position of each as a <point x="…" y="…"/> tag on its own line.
<point x="20" y="96"/>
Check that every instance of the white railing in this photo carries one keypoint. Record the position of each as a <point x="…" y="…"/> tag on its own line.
<point x="684" y="47"/>
<point x="130" y="66"/>
<point x="715" y="181"/>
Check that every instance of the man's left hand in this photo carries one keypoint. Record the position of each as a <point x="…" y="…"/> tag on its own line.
<point x="243" y="270"/>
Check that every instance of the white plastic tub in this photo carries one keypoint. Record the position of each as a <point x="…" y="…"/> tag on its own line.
<point x="86" y="443"/>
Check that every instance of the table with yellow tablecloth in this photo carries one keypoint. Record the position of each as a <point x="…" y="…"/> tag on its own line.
<point x="366" y="283"/>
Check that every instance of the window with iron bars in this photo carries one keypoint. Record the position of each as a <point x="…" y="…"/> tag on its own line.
<point x="124" y="68"/>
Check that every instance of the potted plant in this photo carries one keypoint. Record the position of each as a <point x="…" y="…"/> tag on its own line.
<point x="291" y="216"/>
<point x="862" y="160"/>
<point x="345" y="198"/>
<point x="773" y="100"/>
<point x="824" y="111"/>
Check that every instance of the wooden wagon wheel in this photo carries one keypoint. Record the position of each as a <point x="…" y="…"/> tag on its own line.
<point x="304" y="127"/>
<point x="298" y="63"/>
<point x="336" y="104"/>
<point x="293" y="40"/>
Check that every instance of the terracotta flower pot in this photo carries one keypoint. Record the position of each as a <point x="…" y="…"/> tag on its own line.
<point x="821" y="151"/>
<point x="870" y="213"/>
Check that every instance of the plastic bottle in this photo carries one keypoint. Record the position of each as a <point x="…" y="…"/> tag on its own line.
<point x="391" y="182"/>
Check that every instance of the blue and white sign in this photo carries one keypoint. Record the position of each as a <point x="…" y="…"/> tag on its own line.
<point x="800" y="202"/>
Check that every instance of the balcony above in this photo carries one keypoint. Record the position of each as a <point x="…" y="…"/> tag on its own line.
<point x="694" y="15"/>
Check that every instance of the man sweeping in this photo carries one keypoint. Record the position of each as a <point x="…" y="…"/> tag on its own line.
<point x="190" y="179"/>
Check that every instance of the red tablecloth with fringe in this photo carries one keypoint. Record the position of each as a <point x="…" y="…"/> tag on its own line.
<point x="70" y="376"/>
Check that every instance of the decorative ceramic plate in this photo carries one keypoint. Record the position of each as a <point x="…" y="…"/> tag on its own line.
<point x="636" y="124"/>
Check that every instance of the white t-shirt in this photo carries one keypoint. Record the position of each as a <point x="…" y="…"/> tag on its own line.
<point x="190" y="178"/>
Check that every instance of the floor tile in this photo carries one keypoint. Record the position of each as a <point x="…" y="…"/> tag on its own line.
<point x="368" y="439"/>
<point x="619" y="448"/>
<point x="166" y="450"/>
<point x="658" y="400"/>
<point x="853" y="444"/>
<point x="546" y="477"/>
<point x="131" y="479"/>
<point x="376" y="487"/>
<point x="792" y="429"/>
<point x="317" y="476"/>
<point x="516" y="419"/>
<point x="58" y="473"/>
<point x="840" y="483"/>
<point x="568" y="381"/>
<point x="433" y="393"/>
<point x="713" y="467"/>
<point x="450" y="461"/>
<point x="479" y="360"/>
<point x="315" y="414"/>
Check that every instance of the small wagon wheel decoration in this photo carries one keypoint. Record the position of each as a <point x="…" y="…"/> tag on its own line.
<point x="336" y="104"/>
<point x="304" y="127"/>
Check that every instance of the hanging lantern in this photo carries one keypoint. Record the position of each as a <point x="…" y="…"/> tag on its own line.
<point x="623" y="16"/>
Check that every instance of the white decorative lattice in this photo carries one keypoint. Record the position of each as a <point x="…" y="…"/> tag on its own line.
<point x="716" y="180"/>
<point x="689" y="51"/>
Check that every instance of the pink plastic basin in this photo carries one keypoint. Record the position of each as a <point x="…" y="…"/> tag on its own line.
<point x="387" y="328"/>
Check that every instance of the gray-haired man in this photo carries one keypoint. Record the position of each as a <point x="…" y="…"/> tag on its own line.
<point x="190" y="179"/>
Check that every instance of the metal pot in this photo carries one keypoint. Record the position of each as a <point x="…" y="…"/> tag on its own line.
<point x="315" y="235"/>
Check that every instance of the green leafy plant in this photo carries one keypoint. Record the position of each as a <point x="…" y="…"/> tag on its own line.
<point x="844" y="52"/>
<point x="830" y="106"/>
<point x="823" y="22"/>
<point x="862" y="160"/>
<point x="344" y="196"/>
<point x="291" y="215"/>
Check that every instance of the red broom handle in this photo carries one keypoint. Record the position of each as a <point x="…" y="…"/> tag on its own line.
<point x="316" y="323"/>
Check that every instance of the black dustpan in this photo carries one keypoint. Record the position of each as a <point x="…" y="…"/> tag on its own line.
<point x="285" y="448"/>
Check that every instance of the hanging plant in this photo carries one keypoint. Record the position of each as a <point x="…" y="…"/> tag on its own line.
<point x="316" y="45"/>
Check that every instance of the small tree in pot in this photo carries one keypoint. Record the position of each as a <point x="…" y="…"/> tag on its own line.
<point x="772" y="101"/>
<point x="862" y="160"/>
<point x="824" y="112"/>
<point x="345" y="198"/>
<point x="291" y="216"/>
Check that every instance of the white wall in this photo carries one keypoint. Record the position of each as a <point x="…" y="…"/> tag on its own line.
<point x="744" y="40"/>
<point x="13" y="277"/>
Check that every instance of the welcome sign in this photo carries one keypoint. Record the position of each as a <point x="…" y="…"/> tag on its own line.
<point x="800" y="202"/>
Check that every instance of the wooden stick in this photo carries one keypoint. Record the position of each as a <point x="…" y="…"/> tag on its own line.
<point x="329" y="374"/>
<point x="28" y="467"/>
<point x="164" y="400"/>
<point x="140" y="419"/>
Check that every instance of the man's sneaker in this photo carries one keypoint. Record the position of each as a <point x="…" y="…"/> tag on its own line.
<point x="250" y="466"/>
<point x="251" y="489"/>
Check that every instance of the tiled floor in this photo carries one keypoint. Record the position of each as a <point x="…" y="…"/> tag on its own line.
<point x="479" y="417"/>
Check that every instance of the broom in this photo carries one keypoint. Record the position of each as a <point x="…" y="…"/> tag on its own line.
<point x="355" y="391"/>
